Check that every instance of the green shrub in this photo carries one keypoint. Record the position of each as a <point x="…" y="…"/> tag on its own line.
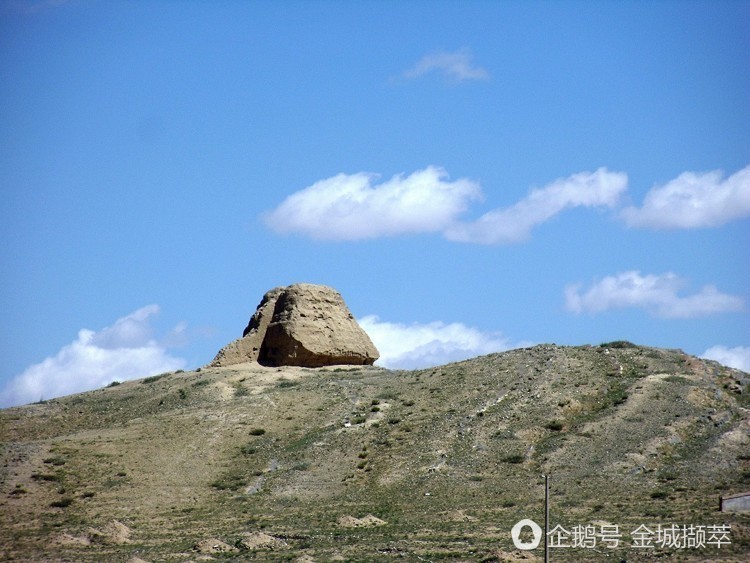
<point x="618" y="344"/>
<point x="57" y="460"/>
<point x="54" y="477"/>
<point x="229" y="482"/>
<point x="514" y="458"/>
<point x="154" y="378"/>
<point x="257" y="432"/>
<point x="618" y="396"/>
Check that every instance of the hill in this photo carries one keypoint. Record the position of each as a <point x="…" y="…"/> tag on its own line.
<point x="365" y="464"/>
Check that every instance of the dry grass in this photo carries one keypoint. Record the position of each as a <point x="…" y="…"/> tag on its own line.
<point x="629" y="435"/>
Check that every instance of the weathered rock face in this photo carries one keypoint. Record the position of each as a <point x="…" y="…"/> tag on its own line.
<point x="246" y="349"/>
<point x="301" y="325"/>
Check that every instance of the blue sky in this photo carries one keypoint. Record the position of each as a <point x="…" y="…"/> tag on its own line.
<point x="471" y="176"/>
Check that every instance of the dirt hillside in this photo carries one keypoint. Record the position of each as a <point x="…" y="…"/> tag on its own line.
<point x="365" y="464"/>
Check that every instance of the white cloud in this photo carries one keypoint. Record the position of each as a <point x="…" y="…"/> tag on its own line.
<point x="424" y="345"/>
<point x="738" y="357"/>
<point x="349" y="207"/>
<point x="657" y="294"/>
<point x="457" y="66"/>
<point x="514" y="224"/>
<point x="125" y="350"/>
<point x="694" y="200"/>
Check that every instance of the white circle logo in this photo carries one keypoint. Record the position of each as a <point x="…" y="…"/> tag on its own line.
<point x="515" y="533"/>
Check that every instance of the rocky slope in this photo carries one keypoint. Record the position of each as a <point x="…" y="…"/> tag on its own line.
<point x="364" y="464"/>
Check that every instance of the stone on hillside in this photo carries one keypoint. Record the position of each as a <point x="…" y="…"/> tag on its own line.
<point x="301" y="325"/>
<point x="213" y="545"/>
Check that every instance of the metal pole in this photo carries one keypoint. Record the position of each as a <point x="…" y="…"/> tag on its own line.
<point x="546" y="518"/>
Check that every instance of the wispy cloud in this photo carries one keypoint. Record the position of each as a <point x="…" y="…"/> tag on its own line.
<point x="514" y="224"/>
<point x="694" y="200"/>
<point x="738" y="357"/>
<point x="457" y="66"/>
<point x="125" y="350"/>
<point x="416" y="346"/>
<point x="656" y="294"/>
<point x="350" y="207"/>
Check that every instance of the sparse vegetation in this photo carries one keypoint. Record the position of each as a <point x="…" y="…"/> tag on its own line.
<point x="57" y="460"/>
<point x="230" y="482"/>
<point x="154" y="378"/>
<point x="53" y="477"/>
<point x="618" y="344"/>
<point x="555" y="426"/>
<point x="618" y="396"/>
<point x="241" y="391"/>
<point x="620" y="445"/>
